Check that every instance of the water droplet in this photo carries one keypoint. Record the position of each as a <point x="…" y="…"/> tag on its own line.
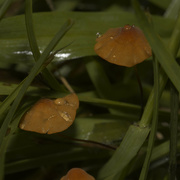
<point x="98" y="35"/>
<point x="22" y="126"/>
<point x="60" y="101"/>
<point x="127" y="27"/>
<point x="65" y="116"/>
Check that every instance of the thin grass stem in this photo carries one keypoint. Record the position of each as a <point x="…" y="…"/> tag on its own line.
<point x="141" y="90"/>
<point x="152" y="136"/>
<point x="173" y="133"/>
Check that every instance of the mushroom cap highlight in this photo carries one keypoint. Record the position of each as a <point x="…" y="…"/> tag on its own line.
<point x="50" y="116"/>
<point x="124" y="46"/>
<point x="77" y="174"/>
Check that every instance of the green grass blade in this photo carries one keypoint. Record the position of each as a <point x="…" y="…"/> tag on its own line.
<point x="174" y="44"/>
<point x="173" y="9"/>
<point x="4" y="7"/>
<point x="161" y="52"/>
<point x="32" y="74"/>
<point x="173" y="133"/>
<point x="145" y="168"/>
<point x="111" y="169"/>
<point x="25" y="85"/>
<point x="162" y="150"/>
<point x="52" y="82"/>
<point x="30" y="30"/>
<point x="99" y="78"/>
<point x="83" y="36"/>
<point x="2" y="160"/>
<point x="7" y="102"/>
<point x="133" y="139"/>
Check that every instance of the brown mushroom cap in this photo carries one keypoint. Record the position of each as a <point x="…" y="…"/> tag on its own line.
<point x="50" y="116"/>
<point x="77" y="174"/>
<point x="124" y="46"/>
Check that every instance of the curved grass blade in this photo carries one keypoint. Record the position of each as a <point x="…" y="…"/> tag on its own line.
<point x="37" y="67"/>
<point x="6" y="103"/>
<point x="53" y="83"/>
<point x="30" y="30"/>
<point x="15" y="48"/>
<point x="134" y="138"/>
<point x="161" y="52"/>
<point x="154" y="125"/>
<point x="173" y="45"/>
<point x="124" y="153"/>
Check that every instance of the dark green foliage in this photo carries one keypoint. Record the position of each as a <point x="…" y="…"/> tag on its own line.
<point x="44" y="42"/>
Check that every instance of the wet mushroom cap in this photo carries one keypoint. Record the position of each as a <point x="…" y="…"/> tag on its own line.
<point x="77" y="174"/>
<point x="50" y="116"/>
<point x="124" y="46"/>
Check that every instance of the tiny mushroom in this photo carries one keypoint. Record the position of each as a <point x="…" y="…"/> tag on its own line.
<point x="77" y="174"/>
<point x="50" y="116"/>
<point x="124" y="46"/>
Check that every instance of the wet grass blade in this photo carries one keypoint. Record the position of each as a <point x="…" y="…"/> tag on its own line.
<point x="50" y="79"/>
<point x="18" y="52"/>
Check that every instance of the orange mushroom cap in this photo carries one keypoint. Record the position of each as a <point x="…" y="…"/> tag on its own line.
<point x="51" y="116"/>
<point x="124" y="46"/>
<point x="77" y="174"/>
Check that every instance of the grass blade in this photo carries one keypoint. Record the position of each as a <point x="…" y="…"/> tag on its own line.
<point x="173" y="132"/>
<point x="83" y="43"/>
<point x="122" y="157"/>
<point x="52" y="82"/>
<point x="99" y="78"/>
<point x="4" y="7"/>
<point x="152" y="136"/>
<point x="133" y="139"/>
<point x="37" y="67"/>
<point x="173" y="9"/>
<point x="174" y="44"/>
<point x="161" y="52"/>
